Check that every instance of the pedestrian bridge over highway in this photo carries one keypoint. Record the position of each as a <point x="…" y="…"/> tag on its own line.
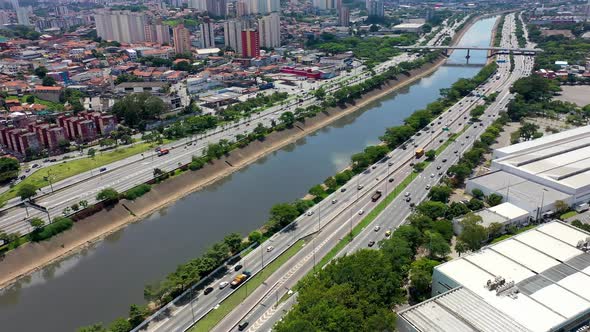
<point x="492" y="49"/>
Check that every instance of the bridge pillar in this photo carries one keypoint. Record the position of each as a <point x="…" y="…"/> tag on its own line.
<point x="467" y="56"/>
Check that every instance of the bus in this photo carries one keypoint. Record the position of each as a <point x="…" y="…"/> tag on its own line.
<point x="419" y="152"/>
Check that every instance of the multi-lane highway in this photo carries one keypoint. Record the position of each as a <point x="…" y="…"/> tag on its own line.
<point x="339" y="212"/>
<point x="260" y="308"/>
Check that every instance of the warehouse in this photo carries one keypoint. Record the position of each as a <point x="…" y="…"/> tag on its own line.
<point x="534" y="281"/>
<point x="534" y="174"/>
<point x="505" y="214"/>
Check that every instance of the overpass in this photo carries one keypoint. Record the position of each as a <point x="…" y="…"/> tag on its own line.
<point x="492" y="49"/>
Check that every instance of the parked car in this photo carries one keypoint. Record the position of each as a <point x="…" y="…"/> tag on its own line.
<point x="208" y="290"/>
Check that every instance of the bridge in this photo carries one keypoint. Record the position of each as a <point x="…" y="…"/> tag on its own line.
<point x="492" y="49"/>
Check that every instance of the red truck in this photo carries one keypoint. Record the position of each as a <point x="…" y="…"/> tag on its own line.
<point x="163" y="152"/>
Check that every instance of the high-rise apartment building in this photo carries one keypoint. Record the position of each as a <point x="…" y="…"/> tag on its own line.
<point x="157" y="33"/>
<point x="207" y="39"/>
<point x="22" y="13"/>
<point x="241" y="8"/>
<point x="324" y="4"/>
<point x="200" y="5"/>
<point x="217" y="7"/>
<point x="250" y="43"/>
<point x="182" y="39"/>
<point x="375" y="8"/>
<point x="122" y="26"/>
<point x="232" y="32"/>
<point x="263" y="6"/>
<point x="344" y="16"/>
<point x="4" y="17"/>
<point x="269" y="28"/>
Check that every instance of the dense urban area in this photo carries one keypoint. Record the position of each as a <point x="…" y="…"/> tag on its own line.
<point x="295" y="165"/>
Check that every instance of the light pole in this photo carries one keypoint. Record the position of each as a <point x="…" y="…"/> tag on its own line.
<point x="319" y="217"/>
<point x="540" y="210"/>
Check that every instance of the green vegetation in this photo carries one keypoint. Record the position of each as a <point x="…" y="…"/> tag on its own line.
<point x="58" y="225"/>
<point x="137" y="108"/>
<point x="65" y="170"/>
<point x="568" y="215"/>
<point x="519" y="32"/>
<point x="21" y="31"/>
<point x="215" y="316"/>
<point x="108" y="195"/>
<point x="560" y="48"/>
<point x="9" y="168"/>
<point x="498" y="35"/>
<point x="137" y="191"/>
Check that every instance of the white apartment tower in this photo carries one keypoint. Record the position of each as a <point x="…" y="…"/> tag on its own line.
<point x="122" y="26"/>
<point x="207" y="39"/>
<point x="232" y="32"/>
<point x="269" y="29"/>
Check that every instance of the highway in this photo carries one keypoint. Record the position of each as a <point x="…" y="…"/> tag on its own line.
<point x="259" y="309"/>
<point x="129" y="172"/>
<point x="334" y="219"/>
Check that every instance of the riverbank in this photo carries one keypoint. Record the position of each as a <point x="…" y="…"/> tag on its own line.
<point x="34" y="256"/>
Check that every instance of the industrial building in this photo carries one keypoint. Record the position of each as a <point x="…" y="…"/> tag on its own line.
<point x="534" y="281"/>
<point x="533" y="175"/>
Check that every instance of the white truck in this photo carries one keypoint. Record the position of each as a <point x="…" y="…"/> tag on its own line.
<point x="582" y="207"/>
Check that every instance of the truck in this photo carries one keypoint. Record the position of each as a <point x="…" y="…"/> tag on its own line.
<point x="497" y="77"/>
<point x="419" y="152"/>
<point x="376" y="196"/>
<point x="501" y="61"/>
<point x="163" y="152"/>
<point x="582" y="207"/>
<point x="239" y="279"/>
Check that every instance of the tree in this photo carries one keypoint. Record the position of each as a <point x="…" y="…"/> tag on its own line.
<point x="494" y="199"/>
<point x="461" y="247"/>
<point x="109" y="195"/>
<point x="137" y="108"/>
<point x="457" y="209"/>
<point x="93" y="328"/>
<point x="473" y="234"/>
<point x="48" y="81"/>
<point x="528" y="130"/>
<point x="430" y="155"/>
<point x="254" y="236"/>
<point x="561" y="207"/>
<point x="320" y="93"/>
<point x="475" y="204"/>
<point x="91" y="152"/>
<point x="9" y="168"/>
<point x="41" y="72"/>
<point x="120" y="325"/>
<point x="288" y="119"/>
<point x="440" y="193"/>
<point x="37" y="223"/>
<point x="83" y="203"/>
<point x="233" y="241"/>
<point x="421" y="278"/>
<point x="283" y="214"/>
<point x="495" y="229"/>
<point x="437" y="245"/>
<point x="419" y="167"/>
<point x="26" y="191"/>
<point x="30" y="99"/>
<point x="432" y="209"/>
<point x="477" y="193"/>
<point x="157" y="172"/>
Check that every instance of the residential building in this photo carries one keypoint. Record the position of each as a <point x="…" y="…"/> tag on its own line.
<point x="269" y="28"/>
<point x="250" y="43"/>
<point x="533" y="281"/>
<point x="4" y="17"/>
<point x="200" y="5"/>
<point x="182" y="41"/>
<point x="344" y="16"/>
<point x="22" y="15"/>
<point x="207" y="39"/>
<point x="51" y="93"/>
<point x="232" y="32"/>
<point x="375" y="8"/>
<point x="217" y="7"/>
<point x="122" y="26"/>
<point x="157" y="33"/>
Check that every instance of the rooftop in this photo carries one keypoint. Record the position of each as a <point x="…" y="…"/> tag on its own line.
<point x="550" y="276"/>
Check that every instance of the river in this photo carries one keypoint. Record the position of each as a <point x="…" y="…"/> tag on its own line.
<point x="99" y="283"/>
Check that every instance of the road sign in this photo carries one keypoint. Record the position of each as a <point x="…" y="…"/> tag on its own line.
<point x="36" y="206"/>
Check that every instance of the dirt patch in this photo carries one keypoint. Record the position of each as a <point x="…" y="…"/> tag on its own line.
<point x="577" y="94"/>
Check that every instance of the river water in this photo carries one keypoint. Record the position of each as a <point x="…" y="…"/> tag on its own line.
<point x="99" y="283"/>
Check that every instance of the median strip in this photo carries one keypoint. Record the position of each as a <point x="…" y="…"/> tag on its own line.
<point x="210" y="320"/>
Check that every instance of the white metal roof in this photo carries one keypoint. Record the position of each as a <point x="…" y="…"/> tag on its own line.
<point x="549" y="272"/>
<point x="509" y="210"/>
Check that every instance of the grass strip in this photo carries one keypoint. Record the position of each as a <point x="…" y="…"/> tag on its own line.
<point x="71" y="168"/>
<point x="230" y="303"/>
<point x="568" y="215"/>
<point x="450" y="140"/>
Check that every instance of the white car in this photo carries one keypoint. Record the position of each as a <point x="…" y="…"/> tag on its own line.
<point x="269" y="248"/>
<point x="432" y="175"/>
<point x="334" y="201"/>
<point x="407" y="194"/>
<point x="310" y="213"/>
<point x="223" y="284"/>
<point x="361" y="212"/>
<point x="377" y="228"/>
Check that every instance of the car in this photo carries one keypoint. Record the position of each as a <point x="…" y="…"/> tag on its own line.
<point x="438" y="167"/>
<point x="374" y="166"/>
<point x="412" y="204"/>
<point x="102" y="169"/>
<point x="22" y="177"/>
<point x="377" y="228"/>
<point x="391" y="180"/>
<point x="342" y="190"/>
<point x="35" y="165"/>
<point x="432" y="131"/>
<point x="208" y="290"/>
<point x="27" y="170"/>
<point x="460" y="123"/>
<point x="467" y="136"/>
<point x="388" y="233"/>
<point x="361" y="212"/>
<point x="390" y="163"/>
<point x="334" y="201"/>
<point x="238" y="267"/>
<point x="407" y="194"/>
<point x="359" y="187"/>
<point x="223" y="284"/>
<point x="427" y="187"/>
<point x="464" y="118"/>
<point x="440" y="140"/>
<point x="418" y="134"/>
<point x="371" y="243"/>
<point x="440" y="173"/>
<point x="310" y="213"/>
<point x="439" y="122"/>
<point x="408" y="199"/>
<point x="415" y="145"/>
<point x="269" y="248"/>
<point x="404" y="147"/>
<point x="243" y="326"/>
<point x="444" y="160"/>
<point x="456" y="151"/>
<point x="411" y="164"/>
<point x="432" y="175"/>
